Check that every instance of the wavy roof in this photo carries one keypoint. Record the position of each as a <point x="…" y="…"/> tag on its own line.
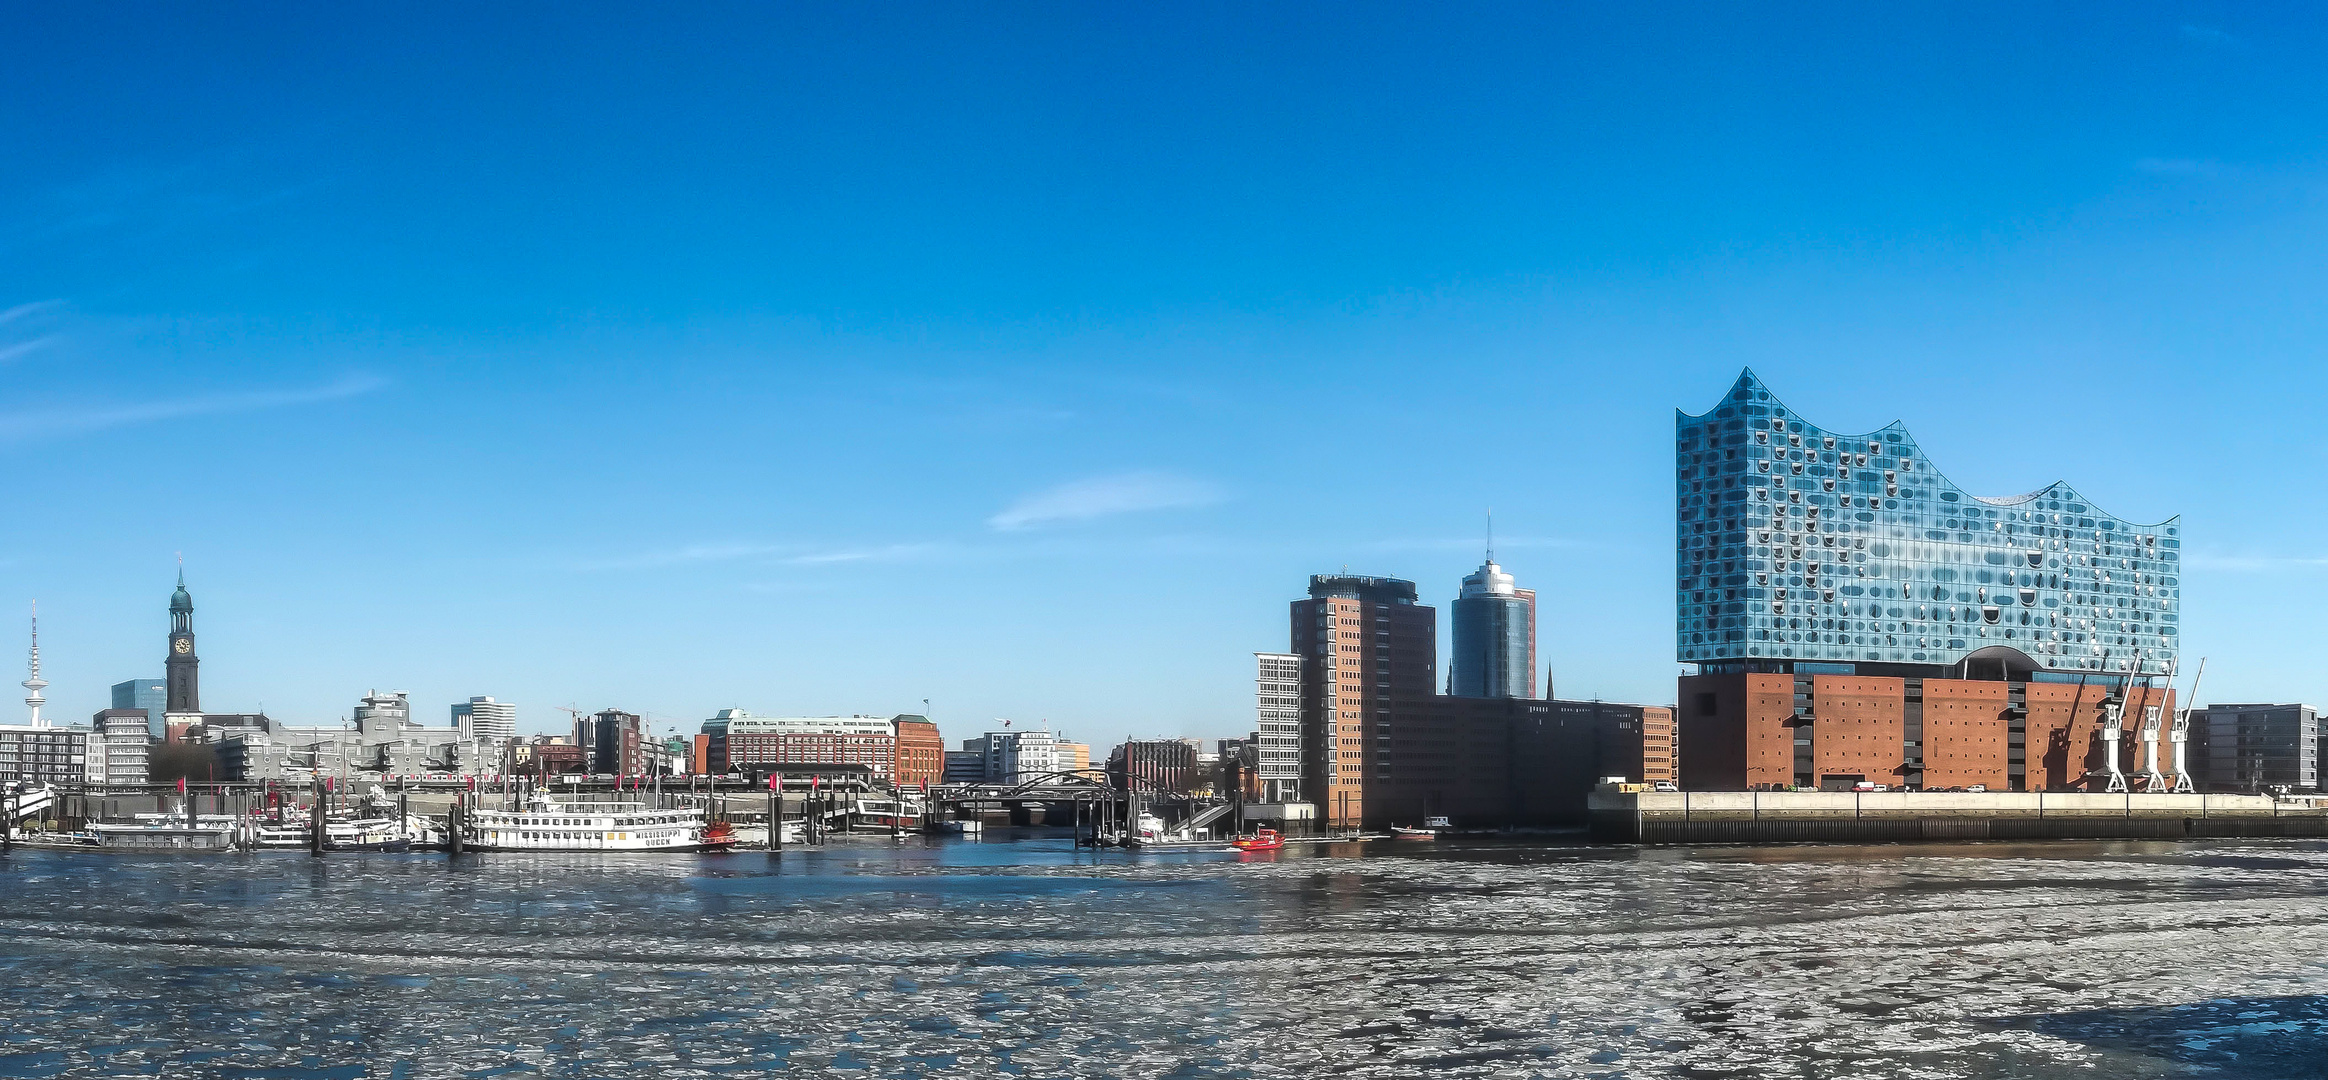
<point x="1750" y="388"/>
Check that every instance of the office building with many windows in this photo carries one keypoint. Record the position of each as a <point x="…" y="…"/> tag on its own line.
<point x="485" y="718"/>
<point x="1494" y="624"/>
<point x="1277" y="734"/>
<point x="2255" y="748"/>
<point x="151" y="695"/>
<point x="1365" y="643"/>
<point x="1853" y="615"/>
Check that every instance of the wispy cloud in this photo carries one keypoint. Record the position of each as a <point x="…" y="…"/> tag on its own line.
<point x="883" y="553"/>
<point x="21" y="349"/>
<point x="2253" y="563"/>
<point x="9" y="315"/>
<point x="1102" y="496"/>
<point x="26" y="425"/>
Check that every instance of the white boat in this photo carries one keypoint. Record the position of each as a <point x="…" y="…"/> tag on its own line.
<point x="351" y="834"/>
<point x="964" y="827"/>
<point x="171" y="832"/>
<point x="545" y="825"/>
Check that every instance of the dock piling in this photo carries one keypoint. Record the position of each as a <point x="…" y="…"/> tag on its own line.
<point x="315" y="824"/>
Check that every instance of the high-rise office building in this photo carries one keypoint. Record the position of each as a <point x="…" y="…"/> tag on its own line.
<point x="1018" y="757"/>
<point x="1494" y="628"/>
<point x="1853" y="614"/>
<point x="485" y="718"/>
<point x="1277" y="733"/>
<point x="2252" y="748"/>
<point x="121" y="738"/>
<point x="1365" y="643"/>
<point x="152" y="695"/>
<point x="614" y="743"/>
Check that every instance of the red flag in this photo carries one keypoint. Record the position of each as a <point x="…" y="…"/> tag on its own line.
<point x="771" y="781"/>
<point x="812" y="782"/>
<point x="181" y="785"/>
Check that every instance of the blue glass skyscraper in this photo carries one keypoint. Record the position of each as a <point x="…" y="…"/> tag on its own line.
<point x="148" y="694"/>
<point x="1800" y="549"/>
<point x="1494" y="628"/>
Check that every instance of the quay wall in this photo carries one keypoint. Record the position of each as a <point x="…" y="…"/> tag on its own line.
<point x="1774" y="817"/>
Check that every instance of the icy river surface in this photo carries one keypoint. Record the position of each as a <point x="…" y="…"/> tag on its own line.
<point x="1021" y="956"/>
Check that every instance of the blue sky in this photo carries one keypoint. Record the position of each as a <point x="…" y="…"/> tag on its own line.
<point x="1025" y="358"/>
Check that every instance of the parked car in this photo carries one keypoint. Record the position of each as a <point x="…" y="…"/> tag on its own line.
<point x="1977" y="788"/>
<point x="1666" y="785"/>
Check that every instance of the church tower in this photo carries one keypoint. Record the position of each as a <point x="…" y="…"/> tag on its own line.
<point x="184" y="696"/>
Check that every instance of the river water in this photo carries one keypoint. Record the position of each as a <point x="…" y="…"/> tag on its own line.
<point x="1021" y="956"/>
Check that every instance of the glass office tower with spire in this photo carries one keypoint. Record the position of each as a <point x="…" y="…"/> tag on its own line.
<point x="1494" y="628"/>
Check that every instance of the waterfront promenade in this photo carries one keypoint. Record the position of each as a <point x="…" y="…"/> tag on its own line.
<point x="1763" y="817"/>
<point x="1022" y="956"/>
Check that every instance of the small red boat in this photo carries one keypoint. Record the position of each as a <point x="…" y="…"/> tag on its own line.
<point x="1261" y="840"/>
<point x="720" y="836"/>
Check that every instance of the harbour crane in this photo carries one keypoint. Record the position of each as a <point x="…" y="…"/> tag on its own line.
<point x="2152" y="782"/>
<point x="2182" y="736"/>
<point x="2113" y="724"/>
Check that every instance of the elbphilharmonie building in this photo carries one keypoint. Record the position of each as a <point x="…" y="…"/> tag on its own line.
<point x="1802" y="546"/>
<point x="1853" y="617"/>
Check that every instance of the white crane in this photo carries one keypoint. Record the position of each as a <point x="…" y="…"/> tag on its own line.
<point x="2113" y="715"/>
<point x="2152" y="782"/>
<point x="2182" y="736"/>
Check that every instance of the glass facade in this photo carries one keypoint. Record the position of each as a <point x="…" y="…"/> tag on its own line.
<point x="1494" y="628"/>
<point x="148" y="694"/>
<point x="1795" y="543"/>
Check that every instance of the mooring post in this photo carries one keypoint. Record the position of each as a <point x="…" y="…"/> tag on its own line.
<point x="454" y="816"/>
<point x="775" y="813"/>
<point x="315" y="824"/>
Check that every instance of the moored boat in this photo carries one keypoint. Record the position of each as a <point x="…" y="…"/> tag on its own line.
<point x="1261" y="840"/>
<point x="1404" y="833"/>
<point x="546" y="825"/>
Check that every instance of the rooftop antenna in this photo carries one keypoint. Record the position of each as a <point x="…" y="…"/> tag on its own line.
<point x="1491" y="534"/>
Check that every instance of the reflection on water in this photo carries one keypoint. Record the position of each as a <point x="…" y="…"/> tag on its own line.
<point x="1021" y="956"/>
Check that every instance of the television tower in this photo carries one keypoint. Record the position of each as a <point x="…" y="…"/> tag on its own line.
<point x="34" y="682"/>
